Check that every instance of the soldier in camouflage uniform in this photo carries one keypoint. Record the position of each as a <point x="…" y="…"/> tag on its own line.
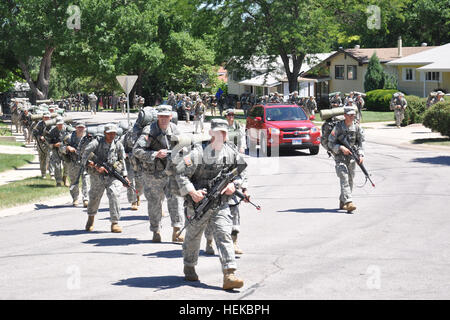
<point x="398" y="104"/>
<point x="105" y="149"/>
<point x="336" y="101"/>
<point x="311" y="106"/>
<point x="25" y="119"/>
<point x="42" y="146"/>
<point x="153" y="150"/>
<point x="199" y="114"/>
<point x="187" y="107"/>
<point x="72" y="157"/>
<point x="345" y="164"/>
<point x="438" y="98"/>
<point x="54" y="139"/>
<point x="359" y="102"/>
<point x="194" y="172"/>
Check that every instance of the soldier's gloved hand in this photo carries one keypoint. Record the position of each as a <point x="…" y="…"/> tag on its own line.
<point x="71" y="149"/>
<point x="129" y="182"/>
<point x="101" y="169"/>
<point x="344" y="150"/>
<point x="361" y="159"/>
<point x="197" y="195"/>
<point x="229" y="189"/>
<point x="161" y="154"/>
<point x="57" y="145"/>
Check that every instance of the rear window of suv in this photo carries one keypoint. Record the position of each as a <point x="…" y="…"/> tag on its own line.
<point x="285" y="114"/>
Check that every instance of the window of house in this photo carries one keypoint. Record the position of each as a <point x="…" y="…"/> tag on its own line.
<point x="280" y="88"/>
<point x="432" y="76"/>
<point x="235" y="76"/>
<point x="409" y="74"/>
<point x="339" y="72"/>
<point x="351" y="72"/>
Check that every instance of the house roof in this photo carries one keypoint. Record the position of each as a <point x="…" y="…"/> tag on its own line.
<point x="262" y="80"/>
<point x="435" y="59"/>
<point x="384" y="54"/>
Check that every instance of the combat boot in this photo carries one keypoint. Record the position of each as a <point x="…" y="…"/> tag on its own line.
<point x="341" y="205"/>
<point x="134" y="206"/>
<point x="190" y="274"/>
<point x="156" y="236"/>
<point x="209" y="247"/>
<point x="85" y="203"/>
<point x="115" y="228"/>
<point x="175" y="236"/>
<point x="230" y="281"/>
<point x="349" y="206"/>
<point x="237" y="250"/>
<point x="75" y="203"/>
<point x="90" y="223"/>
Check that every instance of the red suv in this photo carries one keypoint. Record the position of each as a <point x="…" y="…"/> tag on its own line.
<point x="281" y="125"/>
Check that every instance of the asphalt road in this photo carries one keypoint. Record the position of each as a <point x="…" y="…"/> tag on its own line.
<point x="395" y="245"/>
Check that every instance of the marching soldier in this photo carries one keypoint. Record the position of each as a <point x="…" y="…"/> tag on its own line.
<point x="25" y="119"/>
<point x="199" y="112"/>
<point x="359" y="102"/>
<point x="194" y="171"/>
<point x="336" y="101"/>
<point x="108" y="150"/>
<point x="438" y="98"/>
<point x="93" y="102"/>
<point x="398" y="104"/>
<point x="311" y="106"/>
<point x="42" y="146"/>
<point x="71" y="151"/>
<point x="345" y="164"/>
<point x="55" y="138"/>
<point x="153" y="149"/>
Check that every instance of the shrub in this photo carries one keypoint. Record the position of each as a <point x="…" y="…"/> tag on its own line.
<point x="374" y="78"/>
<point x="415" y="110"/>
<point x="437" y="118"/>
<point x="378" y="100"/>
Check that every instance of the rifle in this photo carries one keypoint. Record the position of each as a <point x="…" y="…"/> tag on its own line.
<point x="111" y="171"/>
<point x="224" y="177"/>
<point x="243" y="197"/>
<point x="356" y="157"/>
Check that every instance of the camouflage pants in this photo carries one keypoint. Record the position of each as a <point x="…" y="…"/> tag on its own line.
<point x="56" y="162"/>
<point x="27" y="134"/>
<point x="198" y="122"/>
<point x="44" y="157"/>
<point x="155" y="188"/>
<point x="236" y="218"/>
<point x="220" y="223"/>
<point x="100" y="183"/>
<point x="345" y="170"/>
<point x="399" y="116"/>
<point x="136" y="182"/>
<point x="72" y="171"/>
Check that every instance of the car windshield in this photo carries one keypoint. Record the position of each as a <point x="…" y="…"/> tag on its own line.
<point x="285" y="114"/>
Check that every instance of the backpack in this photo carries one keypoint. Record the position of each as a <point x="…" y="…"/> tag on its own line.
<point x="327" y="127"/>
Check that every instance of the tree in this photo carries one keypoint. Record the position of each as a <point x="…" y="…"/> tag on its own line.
<point x="374" y="78"/>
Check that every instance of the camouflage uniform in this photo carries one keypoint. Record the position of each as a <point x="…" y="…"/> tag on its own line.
<point x="359" y="102"/>
<point x="199" y="115"/>
<point x="42" y="147"/>
<point x="159" y="180"/>
<point x="25" y="119"/>
<point x="93" y="102"/>
<point x="311" y="106"/>
<point x="73" y="165"/>
<point x="345" y="165"/>
<point x="56" y="136"/>
<point x="194" y="171"/>
<point x="335" y="101"/>
<point x="114" y="155"/>
<point x="398" y="104"/>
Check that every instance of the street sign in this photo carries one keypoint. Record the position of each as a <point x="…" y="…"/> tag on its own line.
<point x="127" y="83"/>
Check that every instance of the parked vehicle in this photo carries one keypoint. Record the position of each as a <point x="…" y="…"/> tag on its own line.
<point x="281" y="125"/>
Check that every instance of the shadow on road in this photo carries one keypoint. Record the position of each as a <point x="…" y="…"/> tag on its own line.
<point x="162" y="283"/>
<point x="39" y="206"/>
<point x="115" y="242"/>
<point x="128" y="218"/>
<point x="313" y="210"/>
<point x="71" y="232"/>
<point x="442" y="160"/>
<point x="166" y="254"/>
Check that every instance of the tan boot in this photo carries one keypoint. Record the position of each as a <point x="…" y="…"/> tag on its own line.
<point x="134" y="206"/>
<point x="190" y="274"/>
<point x="90" y="223"/>
<point x="349" y="206"/>
<point x="237" y="250"/>
<point x="209" y="247"/>
<point x="66" y="181"/>
<point x="115" y="228"/>
<point x="85" y="203"/>
<point x="176" y="237"/>
<point x="156" y="237"/>
<point x="75" y="203"/>
<point x="230" y="281"/>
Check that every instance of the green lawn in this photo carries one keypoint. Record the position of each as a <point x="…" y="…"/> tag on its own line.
<point x="433" y="141"/>
<point x="28" y="191"/>
<point x="5" y="129"/>
<point x="12" y="161"/>
<point x="12" y="143"/>
<point x="370" y="116"/>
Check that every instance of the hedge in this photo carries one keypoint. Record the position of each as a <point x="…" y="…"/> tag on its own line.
<point x="415" y="110"/>
<point x="437" y="118"/>
<point x="378" y="100"/>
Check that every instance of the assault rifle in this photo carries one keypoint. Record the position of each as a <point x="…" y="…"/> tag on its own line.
<point x="213" y="195"/>
<point x="111" y="171"/>
<point x="356" y="157"/>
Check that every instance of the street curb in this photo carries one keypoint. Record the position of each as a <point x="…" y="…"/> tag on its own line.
<point x="33" y="207"/>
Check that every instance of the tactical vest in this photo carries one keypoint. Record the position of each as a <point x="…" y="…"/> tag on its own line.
<point x="234" y="133"/>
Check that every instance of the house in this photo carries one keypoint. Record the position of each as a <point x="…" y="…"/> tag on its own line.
<point x="426" y="71"/>
<point x="346" y="68"/>
<point x="266" y="76"/>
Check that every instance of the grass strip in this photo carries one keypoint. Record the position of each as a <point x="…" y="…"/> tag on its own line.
<point x="14" y="161"/>
<point x="28" y="191"/>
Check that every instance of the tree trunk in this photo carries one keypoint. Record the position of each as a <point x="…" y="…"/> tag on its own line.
<point x="40" y="87"/>
<point x="296" y="66"/>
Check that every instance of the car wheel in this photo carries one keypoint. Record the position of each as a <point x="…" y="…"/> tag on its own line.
<point x="314" y="150"/>
<point x="263" y="149"/>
